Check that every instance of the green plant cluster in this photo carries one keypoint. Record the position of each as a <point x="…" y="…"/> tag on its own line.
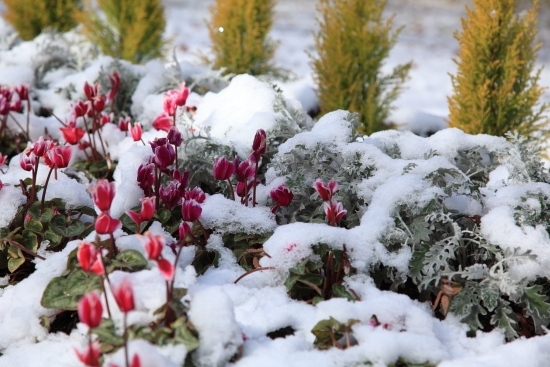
<point x="31" y="17"/>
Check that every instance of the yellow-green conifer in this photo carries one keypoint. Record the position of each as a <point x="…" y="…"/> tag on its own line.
<point x="30" y="17"/>
<point x="496" y="85"/>
<point x="238" y="30"/>
<point x="130" y="29"/>
<point x="352" y="44"/>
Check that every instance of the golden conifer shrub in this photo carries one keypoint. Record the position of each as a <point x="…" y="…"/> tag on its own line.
<point x="130" y="29"/>
<point x="30" y="17"/>
<point x="496" y="85"/>
<point x="352" y="43"/>
<point x="238" y="30"/>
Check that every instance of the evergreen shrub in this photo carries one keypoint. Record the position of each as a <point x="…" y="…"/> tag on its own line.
<point x="496" y="86"/>
<point x="238" y="30"/>
<point x="352" y="43"/>
<point x="126" y="29"/>
<point x="30" y="17"/>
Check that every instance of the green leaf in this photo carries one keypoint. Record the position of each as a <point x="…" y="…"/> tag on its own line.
<point x="129" y="223"/>
<point x="43" y="216"/>
<point x="64" y="292"/>
<point x="67" y="228"/>
<point x="504" y="318"/>
<point x="184" y="335"/>
<point x="327" y="330"/>
<point x="34" y="225"/>
<point x="131" y="260"/>
<point x="106" y="333"/>
<point x="15" y="263"/>
<point x="340" y="291"/>
<point x="163" y="215"/>
<point x="30" y="240"/>
<point x="53" y="237"/>
<point x="312" y="278"/>
<point x="537" y="307"/>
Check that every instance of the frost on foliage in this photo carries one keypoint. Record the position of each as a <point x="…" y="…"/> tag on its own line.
<point x="228" y="216"/>
<point x="211" y="312"/>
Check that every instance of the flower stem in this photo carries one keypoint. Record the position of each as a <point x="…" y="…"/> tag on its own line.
<point x="44" y="190"/>
<point x="232" y="190"/>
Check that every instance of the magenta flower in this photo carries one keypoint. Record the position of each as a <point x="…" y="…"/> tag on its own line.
<point x="196" y="194"/>
<point x="146" y="178"/>
<point x="174" y="137"/>
<point x="81" y="108"/>
<point x="282" y="196"/>
<point x="58" y="156"/>
<point x="190" y="210"/>
<point x="91" y="91"/>
<point x="136" y="131"/>
<point x="259" y="145"/>
<point x="165" y="155"/>
<point x="223" y="169"/>
<point x="103" y="194"/>
<point x="170" y="194"/>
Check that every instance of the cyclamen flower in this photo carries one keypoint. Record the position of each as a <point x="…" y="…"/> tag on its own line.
<point x="26" y="162"/>
<point x="326" y="191"/>
<point x="136" y="131"/>
<point x="58" y="156"/>
<point x="196" y="194"/>
<point x="124" y="296"/>
<point x="259" y="145"/>
<point x="146" y="213"/>
<point x="170" y="194"/>
<point x="103" y="194"/>
<point x="185" y="232"/>
<point x="145" y="177"/>
<point x="81" y="108"/>
<point x="91" y="91"/>
<point x="72" y="134"/>
<point x="90" y="355"/>
<point x="154" y="245"/>
<point x="190" y="210"/>
<point x="244" y="170"/>
<point x="90" y="310"/>
<point x="124" y="123"/>
<point x="282" y="196"/>
<point x="105" y="224"/>
<point x="174" y="137"/>
<point x="136" y="362"/>
<point x="89" y="259"/>
<point x="334" y="211"/>
<point x="114" y="78"/>
<point x="174" y="99"/>
<point x="163" y="122"/>
<point x="165" y="155"/>
<point x="223" y="169"/>
<point x="23" y="92"/>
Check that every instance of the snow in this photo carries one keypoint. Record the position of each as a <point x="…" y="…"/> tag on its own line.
<point x="233" y="319"/>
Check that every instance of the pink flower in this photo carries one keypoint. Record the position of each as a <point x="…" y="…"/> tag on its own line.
<point x="90" y="310"/>
<point x="334" y="211"/>
<point x="26" y="162"/>
<point x="196" y="194"/>
<point x="104" y="224"/>
<point x="326" y="191"/>
<point x="244" y="170"/>
<point x="89" y="259"/>
<point x="163" y="122"/>
<point x="58" y="156"/>
<point x="174" y="99"/>
<point x="223" y="169"/>
<point x="124" y="296"/>
<point x="282" y="196"/>
<point x="136" y="131"/>
<point x="190" y="210"/>
<point x="114" y="78"/>
<point x="90" y="355"/>
<point x="103" y="194"/>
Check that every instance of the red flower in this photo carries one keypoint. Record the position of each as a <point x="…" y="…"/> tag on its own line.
<point x="163" y="122"/>
<point x="334" y="211"/>
<point x="190" y="210"/>
<point x="123" y="123"/>
<point x="166" y="269"/>
<point x="89" y="259"/>
<point x="326" y="191"/>
<point x="174" y="99"/>
<point x="72" y="134"/>
<point x="259" y="145"/>
<point x="135" y="362"/>
<point x="104" y="224"/>
<point x="282" y="196"/>
<point x="58" y="156"/>
<point x="154" y="246"/>
<point x="26" y="162"/>
<point x="103" y="193"/>
<point x="90" y="310"/>
<point x="81" y="108"/>
<point x="223" y="169"/>
<point x="91" y="91"/>
<point x="41" y="146"/>
<point x="23" y="92"/>
<point x="147" y="208"/>
<point x="16" y="106"/>
<point x="124" y="296"/>
<point x="136" y="131"/>
<point x="114" y="78"/>
<point x="90" y="355"/>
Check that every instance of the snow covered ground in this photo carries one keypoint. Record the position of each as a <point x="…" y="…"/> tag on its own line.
<point x="231" y="316"/>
